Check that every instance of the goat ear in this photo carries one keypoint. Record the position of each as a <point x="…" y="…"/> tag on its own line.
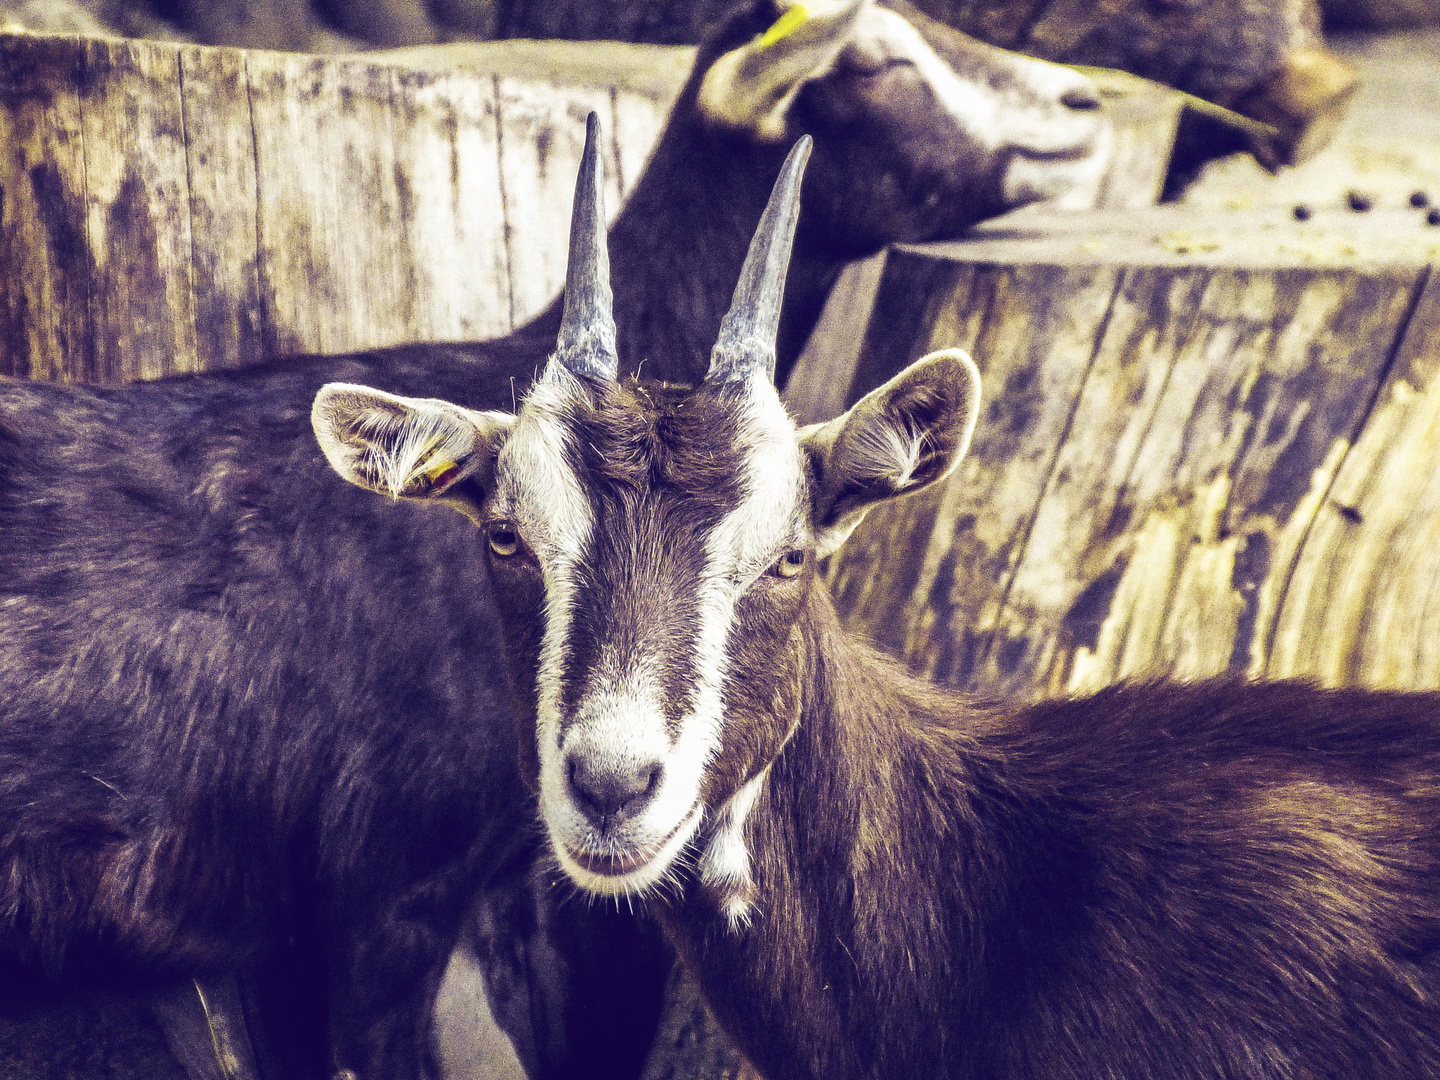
<point x="410" y="448"/>
<point x="751" y="88"/>
<point x="899" y="438"/>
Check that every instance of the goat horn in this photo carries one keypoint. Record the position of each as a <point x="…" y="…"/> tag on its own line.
<point x="747" y="333"/>
<point x="586" y="344"/>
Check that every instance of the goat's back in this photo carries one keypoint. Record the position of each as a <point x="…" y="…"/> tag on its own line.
<point x="1216" y="879"/>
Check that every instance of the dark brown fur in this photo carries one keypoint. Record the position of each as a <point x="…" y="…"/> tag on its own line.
<point x="1162" y="881"/>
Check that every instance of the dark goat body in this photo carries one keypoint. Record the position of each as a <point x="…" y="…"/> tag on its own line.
<point x="876" y="879"/>
<point x="244" y="704"/>
<point x="187" y="766"/>
<point x="1161" y="881"/>
<point x="873" y="879"/>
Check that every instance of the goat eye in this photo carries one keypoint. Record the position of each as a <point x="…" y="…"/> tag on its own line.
<point x="789" y="564"/>
<point x="504" y="540"/>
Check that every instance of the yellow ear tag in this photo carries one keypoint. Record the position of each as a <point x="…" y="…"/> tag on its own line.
<point x="432" y="466"/>
<point x="784" y="26"/>
<point x="437" y="467"/>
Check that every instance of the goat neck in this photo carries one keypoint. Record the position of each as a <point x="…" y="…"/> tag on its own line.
<point x="849" y="886"/>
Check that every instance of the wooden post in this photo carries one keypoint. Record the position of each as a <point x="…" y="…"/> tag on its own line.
<point x="1205" y="446"/>
<point x="179" y="208"/>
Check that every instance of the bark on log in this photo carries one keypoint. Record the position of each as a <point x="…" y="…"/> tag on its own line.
<point x="178" y="208"/>
<point x="1204" y="447"/>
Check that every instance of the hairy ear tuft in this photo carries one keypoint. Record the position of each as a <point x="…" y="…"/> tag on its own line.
<point x="899" y="438"/>
<point x="410" y="448"/>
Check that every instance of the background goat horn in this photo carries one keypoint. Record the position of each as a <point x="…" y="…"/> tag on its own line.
<point x="586" y="344"/>
<point x="747" y="334"/>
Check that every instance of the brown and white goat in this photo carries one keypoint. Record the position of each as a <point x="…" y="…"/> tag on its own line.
<point x="870" y="877"/>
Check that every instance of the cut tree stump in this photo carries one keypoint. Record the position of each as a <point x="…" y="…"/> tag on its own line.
<point x="178" y="208"/>
<point x="1205" y="445"/>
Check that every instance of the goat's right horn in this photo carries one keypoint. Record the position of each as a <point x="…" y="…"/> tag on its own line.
<point x="586" y="344"/>
<point x="748" y="331"/>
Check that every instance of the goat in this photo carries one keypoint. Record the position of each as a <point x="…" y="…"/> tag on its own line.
<point x="216" y="733"/>
<point x="871" y="877"/>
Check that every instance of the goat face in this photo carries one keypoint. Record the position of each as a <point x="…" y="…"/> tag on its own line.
<point x="652" y="549"/>
<point x="927" y="129"/>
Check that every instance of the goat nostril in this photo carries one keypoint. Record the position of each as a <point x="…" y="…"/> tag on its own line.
<point x="1081" y="98"/>
<point x="607" y="793"/>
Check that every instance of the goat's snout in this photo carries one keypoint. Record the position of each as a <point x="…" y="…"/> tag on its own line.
<point x="608" y="794"/>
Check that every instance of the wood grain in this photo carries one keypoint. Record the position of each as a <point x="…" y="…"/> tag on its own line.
<point x="179" y="208"/>
<point x="1195" y="455"/>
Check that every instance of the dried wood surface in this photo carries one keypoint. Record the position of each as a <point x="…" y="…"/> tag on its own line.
<point x="1206" y="446"/>
<point x="180" y="208"/>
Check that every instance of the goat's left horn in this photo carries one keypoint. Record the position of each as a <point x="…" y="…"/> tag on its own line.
<point x="748" y="331"/>
<point x="586" y="344"/>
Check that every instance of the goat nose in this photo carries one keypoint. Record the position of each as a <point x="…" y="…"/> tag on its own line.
<point x="606" y="793"/>
<point x="1081" y="98"/>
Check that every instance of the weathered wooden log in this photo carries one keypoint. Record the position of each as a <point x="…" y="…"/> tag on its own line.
<point x="1206" y="446"/>
<point x="1264" y="58"/>
<point x="177" y="208"/>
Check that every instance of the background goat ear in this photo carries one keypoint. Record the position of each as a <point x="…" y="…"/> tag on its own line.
<point x="899" y="438"/>
<point x="751" y="88"/>
<point x="412" y="448"/>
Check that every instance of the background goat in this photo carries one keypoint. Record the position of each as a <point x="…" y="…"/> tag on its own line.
<point x="244" y="706"/>
<point x="872" y="878"/>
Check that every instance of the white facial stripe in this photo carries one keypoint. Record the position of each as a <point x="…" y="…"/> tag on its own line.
<point x="539" y="490"/>
<point x="974" y="109"/>
<point x="744" y="544"/>
<point x="1053" y="149"/>
<point x="620" y="720"/>
<point x="537" y="480"/>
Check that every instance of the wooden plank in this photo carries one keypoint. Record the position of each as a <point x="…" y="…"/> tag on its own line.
<point x="1155" y="484"/>
<point x="220" y="159"/>
<point x="928" y="577"/>
<point x="455" y="235"/>
<point x="542" y="135"/>
<point x="637" y="123"/>
<point x="1363" y="600"/>
<point x="1169" y="505"/>
<point x="364" y="253"/>
<point x="138" y="211"/>
<point x="45" y="261"/>
<point x="329" y="204"/>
